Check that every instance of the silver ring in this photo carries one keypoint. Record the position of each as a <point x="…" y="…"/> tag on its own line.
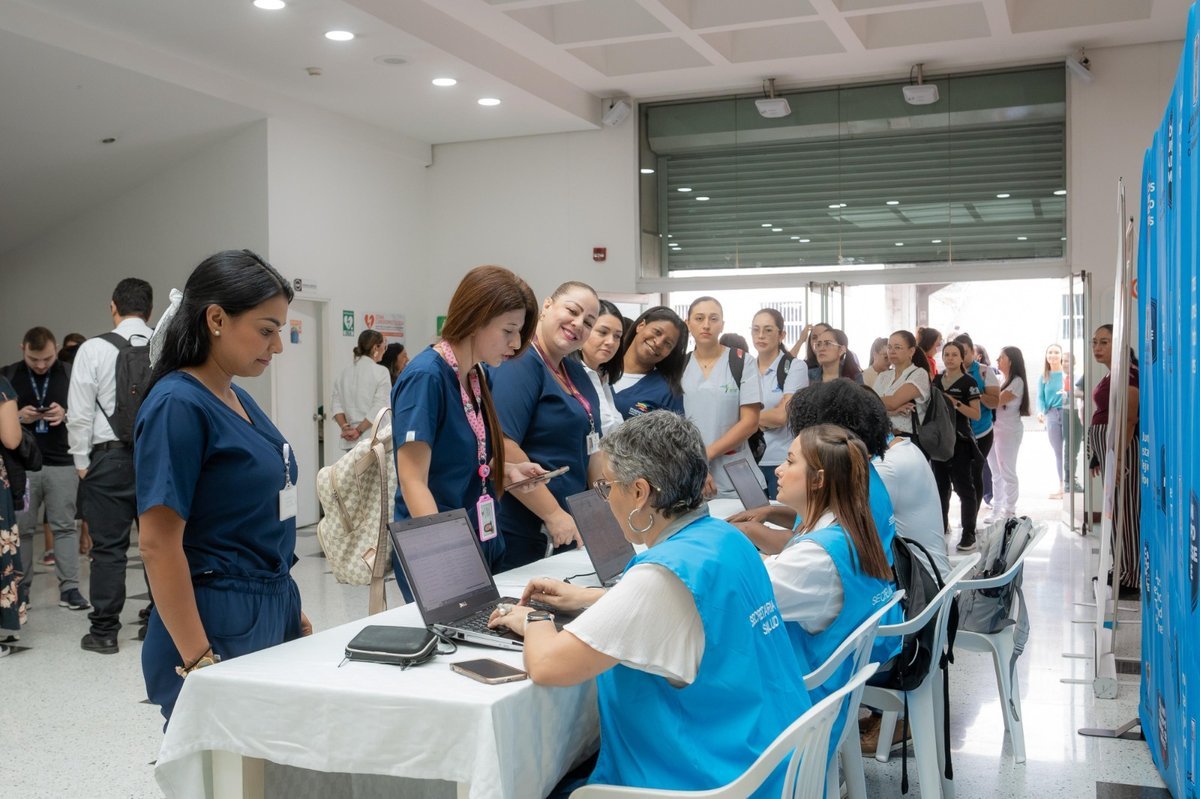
<point x="505" y="608"/>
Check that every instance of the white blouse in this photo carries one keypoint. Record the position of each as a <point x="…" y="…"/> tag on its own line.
<point x="610" y="417"/>
<point x="361" y="391"/>
<point x="889" y="382"/>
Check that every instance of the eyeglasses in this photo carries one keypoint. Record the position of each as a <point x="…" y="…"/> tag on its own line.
<point x="604" y="487"/>
<point x="824" y="343"/>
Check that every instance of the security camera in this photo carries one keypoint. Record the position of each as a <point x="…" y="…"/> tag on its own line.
<point x="615" y="112"/>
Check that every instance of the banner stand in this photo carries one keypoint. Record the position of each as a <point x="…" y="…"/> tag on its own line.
<point x="1125" y="732"/>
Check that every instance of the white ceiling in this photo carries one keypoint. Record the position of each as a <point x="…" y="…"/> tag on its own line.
<point x="168" y="76"/>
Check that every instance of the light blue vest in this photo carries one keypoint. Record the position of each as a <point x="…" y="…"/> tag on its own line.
<point x="983" y="424"/>
<point x="882" y="513"/>
<point x="748" y="689"/>
<point x="862" y="595"/>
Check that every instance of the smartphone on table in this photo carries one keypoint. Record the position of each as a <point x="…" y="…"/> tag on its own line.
<point x="488" y="671"/>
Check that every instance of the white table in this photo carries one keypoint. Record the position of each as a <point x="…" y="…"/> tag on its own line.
<point x="293" y="705"/>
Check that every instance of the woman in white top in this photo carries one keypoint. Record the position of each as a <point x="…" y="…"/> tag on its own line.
<point x="780" y="376"/>
<point x="906" y="387"/>
<point x="603" y="359"/>
<point x="879" y="362"/>
<point x="1014" y="403"/>
<point x="362" y="390"/>
<point x="725" y="408"/>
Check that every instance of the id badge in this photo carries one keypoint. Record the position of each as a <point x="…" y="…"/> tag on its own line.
<point x="42" y="426"/>
<point x="287" y="503"/>
<point x="593" y="442"/>
<point x="485" y="515"/>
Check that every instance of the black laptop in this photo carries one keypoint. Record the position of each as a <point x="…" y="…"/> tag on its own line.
<point x="602" y="537"/>
<point x="744" y="476"/>
<point x="454" y="590"/>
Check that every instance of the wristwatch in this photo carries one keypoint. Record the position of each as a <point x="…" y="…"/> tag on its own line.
<point x="538" y="615"/>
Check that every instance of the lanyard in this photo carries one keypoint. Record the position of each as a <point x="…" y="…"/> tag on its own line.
<point x="40" y="393"/>
<point x="474" y="418"/>
<point x="560" y="374"/>
<point x="287" y="465"/>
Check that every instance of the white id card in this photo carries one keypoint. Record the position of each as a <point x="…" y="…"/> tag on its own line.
<point x="485" y="515"/>
<point x="287" y="503"/>
<point x="593" y="442"/>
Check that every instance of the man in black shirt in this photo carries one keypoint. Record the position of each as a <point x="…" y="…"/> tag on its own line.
<point x="42" y="382"/>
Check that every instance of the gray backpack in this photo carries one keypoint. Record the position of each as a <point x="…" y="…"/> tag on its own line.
<point x="990" y="610"/>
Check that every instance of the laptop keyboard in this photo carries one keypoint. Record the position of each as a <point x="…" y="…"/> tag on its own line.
<point x="478" y="621"/>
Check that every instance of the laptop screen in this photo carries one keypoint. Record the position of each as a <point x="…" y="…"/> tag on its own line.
<point x="606" y="546"/>
<point x="444" y="565"/>
<point x="745" y="483"/>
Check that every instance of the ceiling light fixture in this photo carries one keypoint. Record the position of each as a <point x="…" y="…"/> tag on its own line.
<point x="1003" y="196"/>
<point x="936" y="241"/>
<point x="919" y="93"/>
<point x="1022" y="238"/>
<point x="893" y="202"/>
<point x="270" y="5"/>
<point x="776" y="230"/>
<point x="1060" y="193"/>
<point x="766" y="224"/>
<point x="488" y="101"/>
<point x="899" y="244"/>
<point x="804" y="241"/>
<point x="684" y="189"/>
<point x="646" y="170"/>
<point x="339" y="36"/>
<point x="445" y="82"/>
<point x="772" y="107"/>
<point x="702" y="199"/>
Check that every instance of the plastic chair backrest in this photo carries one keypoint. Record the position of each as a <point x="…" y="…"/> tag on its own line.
<point x="1008" y="576"/>
<point x="807" y="737"/>
<point x="952" y="580"/>
<point x="859" y="643"/>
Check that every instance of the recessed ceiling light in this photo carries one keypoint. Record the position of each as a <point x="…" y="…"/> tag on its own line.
<point x="1064" y="238"/>
<point x="936" y="241"/>
<point x="646" y="170"/>
<point x="1022" y="238"/>
<point x="795" y="238"/>
<point x="444" y="82"/>
<point x="488" y="101"/>
<point x="776" y="230"/>
<point x="1060" y="192"/>
<point x="766" y="224"/>
<point x="270" y="5"/>
<point x="1003" y="196"/>
<point x="835" y="206"/>
<point x="339" y="36"/>
<point x="899" y="244"/>
<point x="805" y="241"/>
<point x="702" y="199"/>
<point x="684" y="189"/>
<point x="893" y="202"/>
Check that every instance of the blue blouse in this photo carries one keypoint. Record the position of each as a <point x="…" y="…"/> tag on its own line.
<point x="220" y="473"/>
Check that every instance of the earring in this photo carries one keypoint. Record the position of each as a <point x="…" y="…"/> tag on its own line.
<point x="635" y="530"/>
<point x="216" y="332"/>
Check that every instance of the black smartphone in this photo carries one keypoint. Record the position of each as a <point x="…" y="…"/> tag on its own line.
<point x="541" y="478"/>
<point x="486" y="670"/>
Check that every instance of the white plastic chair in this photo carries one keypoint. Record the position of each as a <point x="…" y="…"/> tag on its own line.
<point x="926" y="713"/>
<point x="859" y="645"/>
<point x="1000" y="646"/>
<point x="807" y="738"/>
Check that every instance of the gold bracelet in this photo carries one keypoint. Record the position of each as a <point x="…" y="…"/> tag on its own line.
<point x="207" y="660"/>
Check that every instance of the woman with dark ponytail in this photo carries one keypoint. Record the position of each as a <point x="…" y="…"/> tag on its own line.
<point x="362" y="390"/>
<point x="216" y="481"/>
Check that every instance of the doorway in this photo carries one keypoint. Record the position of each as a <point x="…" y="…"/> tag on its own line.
<point x="299" y="388"/>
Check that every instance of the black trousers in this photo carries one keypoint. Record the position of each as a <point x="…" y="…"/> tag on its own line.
<point x="985" y="446"/>
<point x="108" y="503"/>
<point x="959" y="471"/>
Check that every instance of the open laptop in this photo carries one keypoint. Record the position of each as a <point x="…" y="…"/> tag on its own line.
<point x="450" y="580"/>
<point x="744" y="476"/>
<point x="606" y="545"/>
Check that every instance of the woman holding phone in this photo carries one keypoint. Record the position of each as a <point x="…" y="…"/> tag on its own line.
<point x="550" y="414"/>
<point x="448" y="437"/>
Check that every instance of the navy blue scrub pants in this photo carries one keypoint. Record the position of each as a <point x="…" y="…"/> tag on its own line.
<point x="240" y="615"/>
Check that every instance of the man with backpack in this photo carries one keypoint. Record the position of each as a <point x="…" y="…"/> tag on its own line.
<point x="107" y="384"/>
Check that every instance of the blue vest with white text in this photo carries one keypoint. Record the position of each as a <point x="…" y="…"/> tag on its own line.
<point x="748" y="689"/>
<point x="983" y="424"/>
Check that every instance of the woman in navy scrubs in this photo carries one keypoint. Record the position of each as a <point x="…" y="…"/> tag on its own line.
<point x="215" y="479"/>
<point x="551" y="415"/>
<point x="444" y="419"/>
<point x="655" y="354"/>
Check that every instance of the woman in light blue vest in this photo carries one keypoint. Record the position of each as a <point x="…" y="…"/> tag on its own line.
<point x="833" y="574"/>
<point x="694" y="671"/>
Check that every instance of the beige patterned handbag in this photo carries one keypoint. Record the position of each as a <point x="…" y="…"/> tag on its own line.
<point x="358" y="495"/>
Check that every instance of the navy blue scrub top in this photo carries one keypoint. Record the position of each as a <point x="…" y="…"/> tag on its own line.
<point x="221" y="474"/>
<point x="549" y="424"/>
<point x="427" y="406"/>
<point x="651" y="393"/>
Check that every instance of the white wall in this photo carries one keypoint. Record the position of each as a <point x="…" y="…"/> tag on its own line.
<point x="214" y="200"/>
<point x="1111" y="122"/>
<point x="537" y="205"/>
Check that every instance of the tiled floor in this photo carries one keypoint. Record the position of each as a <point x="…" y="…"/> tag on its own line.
<point x="80" y="727"/>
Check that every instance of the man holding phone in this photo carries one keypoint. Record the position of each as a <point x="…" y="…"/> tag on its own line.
<point x="42" y="383"/>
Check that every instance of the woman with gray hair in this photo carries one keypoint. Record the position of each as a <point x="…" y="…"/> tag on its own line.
<point x="695" y="610"/>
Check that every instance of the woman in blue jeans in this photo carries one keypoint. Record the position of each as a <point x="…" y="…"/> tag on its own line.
<point x="1056" y="411"/>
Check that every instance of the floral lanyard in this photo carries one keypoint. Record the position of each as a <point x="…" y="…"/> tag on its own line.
<point x="564" y="380"/>
<point x="485" y="510"/>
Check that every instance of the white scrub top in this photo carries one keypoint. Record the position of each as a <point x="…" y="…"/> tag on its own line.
<point x="779" y="438"/>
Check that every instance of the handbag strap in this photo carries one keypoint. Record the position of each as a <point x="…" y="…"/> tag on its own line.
<point x="378" y="597"/>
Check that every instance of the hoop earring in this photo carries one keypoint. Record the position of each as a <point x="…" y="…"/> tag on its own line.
<point x="635" y="530"/>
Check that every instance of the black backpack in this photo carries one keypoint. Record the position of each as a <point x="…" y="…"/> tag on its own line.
<point x="133" y="376"/>
<point x="937" y="433"/>
<point x="909" y="668"/>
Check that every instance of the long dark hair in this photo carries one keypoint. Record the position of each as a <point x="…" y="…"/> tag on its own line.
<point x="810" y="355"/>
<point x="910" y="340"/>
<point x="1016" y="368"/>
<point x="670" y="367"/>
<point x="235" y="280"/>
<point x="1132" y="352"/>
<point x="612" y="369"/>
<point x="777" y="318"/>
<point x="844" y="459"/>
<point x="483" y="294"/>
<point x="367" y="341"/>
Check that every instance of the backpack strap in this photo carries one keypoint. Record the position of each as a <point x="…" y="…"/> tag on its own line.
<point x="377" y="600"/>
<point x="785" y="366"/>
<point x="737" y="364"/>
<point x="121" y="343"/>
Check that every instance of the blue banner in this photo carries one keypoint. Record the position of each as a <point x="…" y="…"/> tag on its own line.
<point x="1169" y="430"/>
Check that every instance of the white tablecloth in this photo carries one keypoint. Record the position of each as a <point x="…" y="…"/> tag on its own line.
<point x="293" y="705"/>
